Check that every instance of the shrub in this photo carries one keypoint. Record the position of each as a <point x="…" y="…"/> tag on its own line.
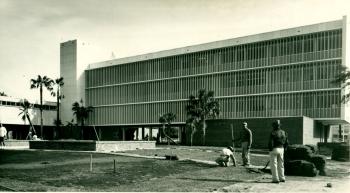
<point x="341" y="153"/>
<point x="300" y="168"/>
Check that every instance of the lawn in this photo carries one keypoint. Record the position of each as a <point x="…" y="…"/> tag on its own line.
<point x="69" y="171"/>
<point x="28" y="170"/>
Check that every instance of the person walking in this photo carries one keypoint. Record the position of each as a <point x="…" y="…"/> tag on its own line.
<point x="278" y="141"/>
<point x="3" y="133"/>
<point x="246" y="141"/>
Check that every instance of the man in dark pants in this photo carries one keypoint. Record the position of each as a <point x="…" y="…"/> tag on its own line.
<point x="246" y="139"/>
<point x="277" y="143"/>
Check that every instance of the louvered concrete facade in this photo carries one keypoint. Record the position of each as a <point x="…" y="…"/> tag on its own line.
<point x="284" y="73"/>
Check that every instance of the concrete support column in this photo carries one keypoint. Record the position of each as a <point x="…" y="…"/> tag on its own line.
<point x="137" y="134"/>
<point x="179" y="134"/>
<point x="322" y="134"/>
<point x="341" y="136"/>
<point x="143" y="133"/>
<point x="123" y="130"/>
<point x="99" y="133"/>
<point x="326" y="133"/>
<point x="150" y="134"/>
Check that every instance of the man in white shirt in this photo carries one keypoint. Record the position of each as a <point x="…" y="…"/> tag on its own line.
<point x="226" y="156"/>
<point x="3" y="133"/>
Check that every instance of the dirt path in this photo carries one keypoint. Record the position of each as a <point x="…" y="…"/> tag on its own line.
<point x="293" y="184"/>
<point x="338" y="178"/>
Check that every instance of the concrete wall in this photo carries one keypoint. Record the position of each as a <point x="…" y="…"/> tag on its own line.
<point x="75" y="56"/>
<point x="219" y="132"/>
<point x="68" y="63"/>
<point x="124" y="145"/>
<point x="345" y="111"/>
<point x="310" y="131"/>
<point x="63" y="145"/>
<point x="17" y="143"/>
<point x="89" y="145"/>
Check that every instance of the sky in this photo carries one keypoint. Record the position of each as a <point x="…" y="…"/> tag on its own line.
<point x="31" y="30"/>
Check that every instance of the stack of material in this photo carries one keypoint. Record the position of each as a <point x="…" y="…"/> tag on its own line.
<point x="341" y="153"/>
<point x="303" y="160"/>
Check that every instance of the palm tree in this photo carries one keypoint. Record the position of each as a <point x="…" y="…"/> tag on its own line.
<point x="69" y="126"/>
<point x="24" y="107"/>
<point x="81" y="112"/>
<point x="167" y="118"/>
<point x="58" y="84"/>
<point x="201" y="108"/>
<point x="41" y="82"/>
<point x="3" y="94"/>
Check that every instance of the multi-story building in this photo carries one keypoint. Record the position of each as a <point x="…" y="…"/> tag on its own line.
<point x="10" y="109"/>
<point x="285" y="74"/>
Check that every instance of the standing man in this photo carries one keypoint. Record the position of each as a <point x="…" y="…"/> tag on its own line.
<point x="277" y="143"/>
<point x="3" y="133"/>
<point x="246" y="139"/>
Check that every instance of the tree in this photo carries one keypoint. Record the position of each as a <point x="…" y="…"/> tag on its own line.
<point x="166" y="119"/>
<point x="343" y="78"/>
<point x="58" y="83"/>
<point x="81" y="113"/>
<point x="24" y="107"/>
<point x="41" y="82"/>
<point x="201" y="108"/>
<point x="3" y="94"/>
<point x="69" y="126"/>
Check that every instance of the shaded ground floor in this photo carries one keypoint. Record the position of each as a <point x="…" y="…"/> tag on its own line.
<point x="20" y="132"/>
<point x="219" y="132"/>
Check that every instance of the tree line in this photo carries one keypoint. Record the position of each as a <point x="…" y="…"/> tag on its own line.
<point x="54" y="87"/>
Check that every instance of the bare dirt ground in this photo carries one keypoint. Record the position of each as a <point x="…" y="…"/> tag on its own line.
<point x="337" y="179"/>
<point x="338" y="174"/>
<point x="144" y="171"/>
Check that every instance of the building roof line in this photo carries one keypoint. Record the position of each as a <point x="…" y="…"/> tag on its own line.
<point x="325" y="26"/>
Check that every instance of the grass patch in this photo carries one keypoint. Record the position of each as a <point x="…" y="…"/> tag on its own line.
<point x="38" y="171"/>
<point x="69" y="171"/>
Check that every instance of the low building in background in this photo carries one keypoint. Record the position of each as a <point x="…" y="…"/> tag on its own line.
<point x="16" y="127"/>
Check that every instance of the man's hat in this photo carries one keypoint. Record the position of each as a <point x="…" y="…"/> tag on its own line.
<point x="277" y="123"/>
<point x="230" y="148"/>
